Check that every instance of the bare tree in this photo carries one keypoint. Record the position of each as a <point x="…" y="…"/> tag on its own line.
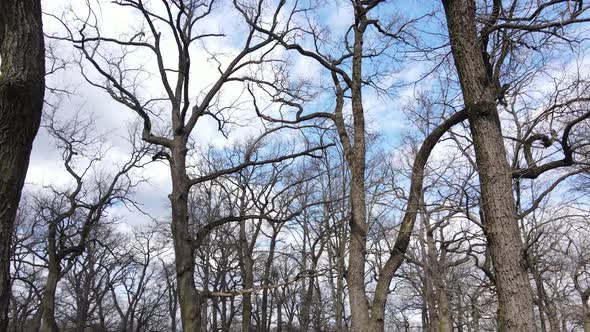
<point x="70" y="215"/>
<point x="176" y="22"/>
<point x="480" y="71"/>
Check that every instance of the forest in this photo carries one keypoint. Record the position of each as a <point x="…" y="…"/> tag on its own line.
<point x="294" y="165"/>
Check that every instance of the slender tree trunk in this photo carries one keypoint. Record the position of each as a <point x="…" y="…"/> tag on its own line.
<point x="189" y="299"/>
<point x="438" y="297"/>
<point x="48" y="323"/>
<point x="540" y="296"/>
<point x="246" y="265"/>
<point x="359" y="306"/>
<point x="214" y="322"/>
<point x="475" y="315"/>
<point x="22" y="84"/>
<point x="429" y="275"/>
<point x="205" y="306"/>
<point x="279" y="311"/>
<point x="424" y="308"/>
<point x="553" y="318"/>
<point x="172" y="303"/>
<point x="266" y="280"/>
<point x="307" y="300"/>
<point x="460" y="313"/>
<point x="339" y="315"/>
<point x="497" y="201"/>
<point x="224" y="324"/>
<point x="247" y="283"/>
<point x="336" y="254"/>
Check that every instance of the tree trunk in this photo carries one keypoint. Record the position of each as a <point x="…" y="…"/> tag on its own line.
<point x="279" y="311"/>
<point x="339" y="315"/>
<point x="205" y="306"/>
<point x="189" y="299"/>
<point x="475" y="315"/>
<point x="172" y="303"/>
<point x="553" y="318"/>
<point x="308" y="299"/>
<point x="266" y="280"/>
<point x="460" y="313"/>
<point x="359" y="306"/>
<point x="497" y="201"/>
<point x="48" y="323"/>
<point x="22" y="84"/>
<point x="445" y="323"/>
<point x="82" y="313"/>
<point x="246" y="266"/>
<point x="540" y="301"/>
<point x="429" y="274"/>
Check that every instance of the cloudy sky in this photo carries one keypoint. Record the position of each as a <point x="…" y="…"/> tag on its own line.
<point x="113" y="120"/>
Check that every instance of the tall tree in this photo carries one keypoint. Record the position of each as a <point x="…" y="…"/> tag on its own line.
<point x="481" y="53"/>
<point x="479" y="94"/>
<point x="22" y="84"/>
<point x="179" y="23"/>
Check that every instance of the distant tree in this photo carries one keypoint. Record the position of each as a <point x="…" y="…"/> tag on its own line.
<point x="71" y="215"/>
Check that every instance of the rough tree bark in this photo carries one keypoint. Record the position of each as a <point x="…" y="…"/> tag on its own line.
<point x="189" y="298"/>
<point x="497" y="201"/>
<point x="22" y="84"/>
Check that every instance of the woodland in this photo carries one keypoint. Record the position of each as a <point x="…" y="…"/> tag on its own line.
<point x="294" y="165"/>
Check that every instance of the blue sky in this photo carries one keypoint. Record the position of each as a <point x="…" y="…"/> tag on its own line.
<point x="384" y="110"/>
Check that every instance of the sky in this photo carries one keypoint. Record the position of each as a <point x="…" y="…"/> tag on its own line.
<point x="384" y="111"/>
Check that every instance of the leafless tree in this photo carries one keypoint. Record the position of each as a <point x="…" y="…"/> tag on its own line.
<point x="481" y="65"/>
<point x="177" y="23"/>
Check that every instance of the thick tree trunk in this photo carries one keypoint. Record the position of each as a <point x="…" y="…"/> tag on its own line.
<point x="445" y="323"/>
<point x="189" y="299"/>
<point x="22" y="83"/>
<point x="82" y="312"/>
<point x="497" y="201"/>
